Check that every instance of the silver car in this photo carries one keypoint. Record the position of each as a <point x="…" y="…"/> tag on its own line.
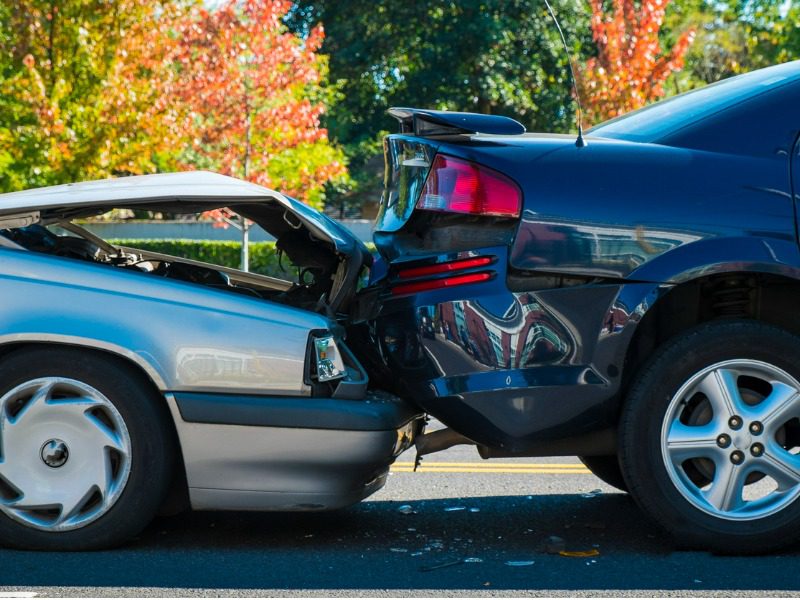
<point x="133" y="382"/>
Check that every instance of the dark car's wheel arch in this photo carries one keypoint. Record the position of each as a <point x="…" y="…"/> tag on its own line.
<point x="732" y="295"/>
<point x="177" y="498"/>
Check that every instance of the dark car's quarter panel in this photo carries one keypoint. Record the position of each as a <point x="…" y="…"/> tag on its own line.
<point x="610" y="207"/>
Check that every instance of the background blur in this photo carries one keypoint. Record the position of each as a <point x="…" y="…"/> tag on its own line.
<point x="293" y="95"/>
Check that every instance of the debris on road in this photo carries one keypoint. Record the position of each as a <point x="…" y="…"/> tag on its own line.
<point x="592" y="494"/>
<point x="454" y="508"/>
<point x="580" y="553"/>
<point x="520" y="563"/>
<point x="406" y="509"/>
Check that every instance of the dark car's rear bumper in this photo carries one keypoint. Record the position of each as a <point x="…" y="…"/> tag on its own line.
<point x="528" y="372"/>
<point x="246" y="452"/>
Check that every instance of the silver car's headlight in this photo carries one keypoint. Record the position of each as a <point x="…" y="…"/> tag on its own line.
<point x="329" y="363"/>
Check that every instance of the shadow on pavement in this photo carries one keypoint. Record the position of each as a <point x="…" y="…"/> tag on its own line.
<point x="375" y="546"/>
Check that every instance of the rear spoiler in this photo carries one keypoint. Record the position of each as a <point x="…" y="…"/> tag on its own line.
<point x="422" y="122"/>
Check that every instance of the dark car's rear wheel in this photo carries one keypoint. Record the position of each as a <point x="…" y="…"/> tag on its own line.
<point x="710" y="437"/>
<point x="607" y="469"/>
<point x="87" y="454"/>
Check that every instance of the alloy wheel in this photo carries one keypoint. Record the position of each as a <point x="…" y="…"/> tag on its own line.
<point x="730" y="439"/>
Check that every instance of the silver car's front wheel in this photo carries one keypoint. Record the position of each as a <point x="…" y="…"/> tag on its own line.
<point x="86" y="449"/>
<point x="66" y="453"/>
<point x="710" y="437"/>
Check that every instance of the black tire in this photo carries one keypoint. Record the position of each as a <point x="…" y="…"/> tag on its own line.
<point x="607" y="469"/>
<point x="152" y="446"/>
<point x="646" y="468"/>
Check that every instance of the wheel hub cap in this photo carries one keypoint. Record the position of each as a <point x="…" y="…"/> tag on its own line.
<point x="66" y="454"/>
<point x="730" y="439"/>
<point x="54" y="453"/>
<point x="741" y="439"/>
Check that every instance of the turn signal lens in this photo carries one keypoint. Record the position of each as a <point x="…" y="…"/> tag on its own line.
<point x="329" y="361"/>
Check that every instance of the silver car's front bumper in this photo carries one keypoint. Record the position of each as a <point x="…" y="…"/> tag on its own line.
<point x="268" y="453"/>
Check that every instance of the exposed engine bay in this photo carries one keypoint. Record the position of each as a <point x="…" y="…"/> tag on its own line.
<point x="312" y="263"/>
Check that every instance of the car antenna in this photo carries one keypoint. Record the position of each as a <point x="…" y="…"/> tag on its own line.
<point x="580" y="142"/>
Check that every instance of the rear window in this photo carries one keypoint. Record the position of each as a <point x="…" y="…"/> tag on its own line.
<point x="651" y="123"/>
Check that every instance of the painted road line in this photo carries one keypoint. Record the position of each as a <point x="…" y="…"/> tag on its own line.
<point x="506" y="471"/>
<point x="491" y="464"/>
<point x="507" y="468"/>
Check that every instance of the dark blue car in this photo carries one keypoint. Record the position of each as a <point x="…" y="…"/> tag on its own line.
<point x="634" y="301"/>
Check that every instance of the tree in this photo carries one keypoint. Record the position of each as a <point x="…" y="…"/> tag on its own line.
<point x="55" y="56"/>
<point x="630" y="67"/>
<point x="230" y="89"/>
<point x="733" y="37"/>
<point x="490" y="56"/>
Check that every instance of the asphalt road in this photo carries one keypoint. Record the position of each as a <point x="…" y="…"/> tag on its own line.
<point x="476" y="528"/>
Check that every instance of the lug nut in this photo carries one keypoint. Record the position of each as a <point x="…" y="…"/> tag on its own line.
<point x="756" y="428"/>
<point x="723" y="440"/>
<point x="757" y="450"/>
<point x="737" y="457"/>
<point x="735" y="422"/>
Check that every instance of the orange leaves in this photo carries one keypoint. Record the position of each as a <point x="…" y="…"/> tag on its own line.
<point x="630" y="67"/>
<point x="231" y="89"/>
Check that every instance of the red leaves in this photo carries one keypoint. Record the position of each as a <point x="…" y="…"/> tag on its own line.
<point x="630" y="68"/>
<point x="232" y="90"/>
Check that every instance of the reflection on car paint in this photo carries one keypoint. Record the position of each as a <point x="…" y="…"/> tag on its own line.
<point x="591" y="249"/>
<point x="526" y="334"/>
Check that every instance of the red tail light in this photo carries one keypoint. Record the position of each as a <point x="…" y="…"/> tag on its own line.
<point x="456" y="265"/>
<point x="437" y="284"/>
<point x="460" y="186"/>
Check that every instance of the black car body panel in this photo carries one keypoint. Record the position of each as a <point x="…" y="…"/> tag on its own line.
<point x="533" y="358"/>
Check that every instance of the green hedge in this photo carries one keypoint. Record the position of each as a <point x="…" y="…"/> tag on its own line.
<point x="263" y="256"/>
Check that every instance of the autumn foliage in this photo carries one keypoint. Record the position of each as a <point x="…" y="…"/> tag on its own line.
<point x="630" y="67"/>
<point x="134" y="87"/>
<point x="227" y="89"/>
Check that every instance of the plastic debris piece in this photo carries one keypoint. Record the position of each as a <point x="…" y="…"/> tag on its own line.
<point x="412" y="529"/>
<point x="473" y="559"/>
<point x="520" y="563"/>
<point x="474" y="509"/>
<point x="442" y="565"/>
<point x="555" y="545"/>
<point x="592" y="494"/>
<point x="454" y="508"/>
<point x="398" y="550"/>
<point x="580" y="553"/>
<point x="416" y="554"/>
<point x="406" y="509"/>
